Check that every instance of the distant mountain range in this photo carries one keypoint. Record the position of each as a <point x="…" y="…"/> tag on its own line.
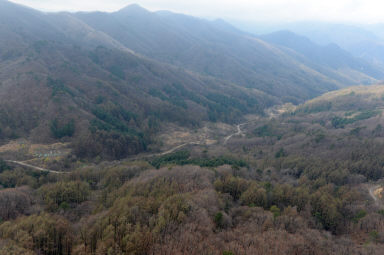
<point x="325" y="58"/>
<point x="362" y="41"/>
<point x="220" y="50"/>
<point x="112" y="80"/>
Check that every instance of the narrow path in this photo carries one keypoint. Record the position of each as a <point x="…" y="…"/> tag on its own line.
<point x="239" y="131"/>
<point x="226" y="139"/>
<point x="165" y="152"/>
<point x="374" y="191"/>
<point x="33" y="167"/>
<point x="176" y="148"/>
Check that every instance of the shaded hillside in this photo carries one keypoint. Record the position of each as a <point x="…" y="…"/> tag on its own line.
<point x="216" y="49"/>
<point x="240" y="173"/>
<point x="363" y="41"/>
<point x="331" y="58"/>
<point x="63" y="78"/>
<point x="371" y="50"/>
<point x="55" y="85"/>
<point x="111" y="91"/>
<point x="21" y="26"/>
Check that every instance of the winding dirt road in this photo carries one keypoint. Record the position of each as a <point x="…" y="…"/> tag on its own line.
<point x="226" y="139"/>
<point x="176" y="148"/>
<point x="165" y="152"/>
<point x="239" y="131"/>
<point x="33" y="167"/>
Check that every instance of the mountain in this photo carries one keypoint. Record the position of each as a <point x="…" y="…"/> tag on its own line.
<point x="22" y="26"/>
<point x="371" y="50"/>
<point x="353" y="99"/>
<point x="362" y="41"/>
<point x="157" y="133"/>
<point x="377" y="29"/>
<point x="330" y="56"/>
<point x="56" y="84"/>
<point x="217" y="49"/>
<point x="108" y="83"/>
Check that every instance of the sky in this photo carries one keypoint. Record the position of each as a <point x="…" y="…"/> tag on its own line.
<point x="269" y="11"/>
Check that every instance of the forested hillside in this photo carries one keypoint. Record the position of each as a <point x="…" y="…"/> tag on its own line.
<point x="107" y="92"/>
<point x="217" y="49"/>
<point x="306" y="181"/>
<point x="138" y="132"/>
<point x="56" y="84"/>
<point x="79" y="77"/>
<point x="330" y="56"/>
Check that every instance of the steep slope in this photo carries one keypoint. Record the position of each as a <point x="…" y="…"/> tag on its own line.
<point x="111" y="90"/>
<point x="21" y="25"/>
<point x="326" y="33"/>
<point x="55" y="84"/>
<point x="349" y="99"/>
<point x="330" y="57"/>
<point x="215" y="49"/>
<point x="371" y="50"/>
<point x="363" y="41"/>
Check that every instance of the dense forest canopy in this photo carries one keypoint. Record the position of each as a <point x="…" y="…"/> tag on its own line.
<point x="237" y="198"/>
<point x="138" y="132"/>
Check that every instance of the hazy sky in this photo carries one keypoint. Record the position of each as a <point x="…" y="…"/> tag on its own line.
<point x="358" y="11"/>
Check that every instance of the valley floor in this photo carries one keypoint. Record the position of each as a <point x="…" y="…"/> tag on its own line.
<point x="310" y="178"/>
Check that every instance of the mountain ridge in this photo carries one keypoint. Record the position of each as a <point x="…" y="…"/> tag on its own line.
<point x="231" y="45"/>
<point x="64" y="77"/>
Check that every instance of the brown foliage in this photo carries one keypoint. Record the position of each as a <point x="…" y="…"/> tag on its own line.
<point x="15" y="202"/>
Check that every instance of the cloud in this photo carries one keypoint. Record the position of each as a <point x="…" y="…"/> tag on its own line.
<point x="364" y="11"/>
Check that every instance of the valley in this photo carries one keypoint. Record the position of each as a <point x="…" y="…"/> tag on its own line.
<point x="151" y="132"/>
<point x="315" y="162"/>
